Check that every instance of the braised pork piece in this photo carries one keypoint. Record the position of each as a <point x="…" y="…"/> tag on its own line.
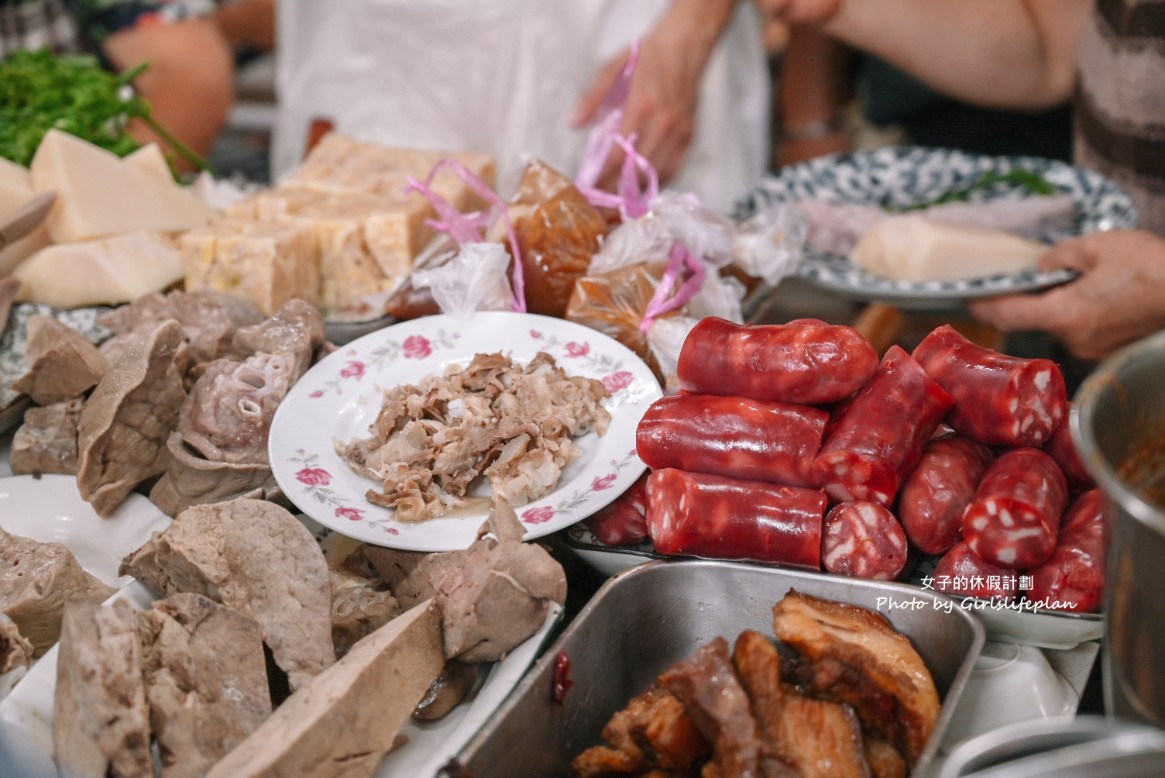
<point x="854" y="656"/>
<point x="755" y="712"/>
<point x="514" y="424"/>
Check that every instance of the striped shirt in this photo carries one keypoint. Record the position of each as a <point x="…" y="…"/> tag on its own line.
<point x="1120" y="101"/>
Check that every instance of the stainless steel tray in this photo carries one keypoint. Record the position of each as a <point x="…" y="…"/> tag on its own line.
<point x="645" y="619"/>
<point x="1004" y="622"/>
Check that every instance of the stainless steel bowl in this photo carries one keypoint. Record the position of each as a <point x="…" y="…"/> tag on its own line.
<point x="1050" y="748"/>
<point x="644" y="619"/>
<point x="1118" y="412"/>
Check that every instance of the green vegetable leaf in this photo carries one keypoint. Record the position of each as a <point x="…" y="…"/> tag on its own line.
<point x="1023" y="179"/>
<point x="40" y="91"/>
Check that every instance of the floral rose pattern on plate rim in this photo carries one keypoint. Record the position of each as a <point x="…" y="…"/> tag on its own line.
<point x="580" y="497"/>
<point x="415" y="346"/>
<point x="316" y="481"/>
<point x="608" y="369"/>
<point x="335" y="497"/>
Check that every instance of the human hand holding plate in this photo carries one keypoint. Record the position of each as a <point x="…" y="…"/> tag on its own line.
<point x="901" y="178"/>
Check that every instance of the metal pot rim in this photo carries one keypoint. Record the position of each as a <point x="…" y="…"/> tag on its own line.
<point x="1082" y="423"/>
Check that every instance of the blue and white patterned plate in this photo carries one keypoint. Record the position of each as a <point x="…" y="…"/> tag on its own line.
<point x="902" y="176"/>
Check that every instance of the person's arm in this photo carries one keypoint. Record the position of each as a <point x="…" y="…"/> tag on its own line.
<point x="189" y="81"/>
<point x="661" y="105"/>
<point x="1118" y="298"/>
<point x="1004" y="53"/>
<point x="813" y="88"/>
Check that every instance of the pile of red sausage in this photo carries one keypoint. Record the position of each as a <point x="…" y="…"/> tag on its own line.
<point x="794" y="444"/>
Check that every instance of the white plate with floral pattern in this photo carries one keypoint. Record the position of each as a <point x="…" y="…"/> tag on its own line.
<point x="340" y="397"/>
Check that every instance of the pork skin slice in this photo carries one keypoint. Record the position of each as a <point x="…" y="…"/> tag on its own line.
<point x="206" y="681"/>
<point x="36" y="580"/>
<point x="121" y="436"/>
<point x="346" y="718"/>
<point x="258" y="559"/>
<point x="852" y="655"/>
<point x="101" y="723"/>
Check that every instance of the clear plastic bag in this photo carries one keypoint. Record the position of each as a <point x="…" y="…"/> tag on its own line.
<point x="558" y="232"/>
<point x="474" y="279"/>
<point x="614" y="303"/>
<point x="769" y="244"/>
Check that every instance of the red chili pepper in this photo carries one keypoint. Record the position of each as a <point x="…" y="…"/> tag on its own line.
<point x="562" y="682"/>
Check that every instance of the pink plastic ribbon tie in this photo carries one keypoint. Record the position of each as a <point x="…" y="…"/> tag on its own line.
<point x="471" y="227"/>
<point x="463" y="228"/>
<point x="609" y="117"/>
<point x="604" y="136"/>
<point x="636" y="201"/>
<point x="663" y="301"/>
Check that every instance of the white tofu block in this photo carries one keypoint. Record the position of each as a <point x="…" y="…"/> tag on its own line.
<point x="100" y="272"/>
<point x="98" y="194"/>
<point x="913" y="248"/>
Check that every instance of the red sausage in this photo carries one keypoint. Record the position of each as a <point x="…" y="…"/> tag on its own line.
<point x="732" y="436"/>
<point x="624" y="521"/>
<point x="999" y="400"/>
<point x="878" y="435"/>
<point x="1061" y="448"/>
<point x="932" y="501"/>
<point x="1074" y="575"/>
<point x="726" y="518"/>
<point x="863" y="540"/>
<point x="805" y="361"/>
<point x="961" y="572"/>
<point x="1015" y="515"/>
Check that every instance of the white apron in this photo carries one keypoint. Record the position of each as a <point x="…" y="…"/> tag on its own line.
<point x="503" y="76"/>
